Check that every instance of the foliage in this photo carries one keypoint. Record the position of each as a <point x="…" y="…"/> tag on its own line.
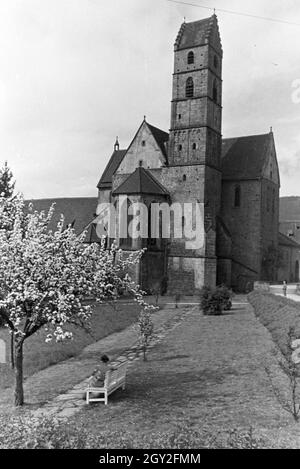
<point x="214" y="300"/>
<point x="28" y="432"/>
<point x="226" y="294"/>
<point x="7" y="185"/>
<point x="46" y="276"/>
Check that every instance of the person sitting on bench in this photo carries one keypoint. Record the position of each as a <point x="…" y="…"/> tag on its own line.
<point x="99" y="373"/>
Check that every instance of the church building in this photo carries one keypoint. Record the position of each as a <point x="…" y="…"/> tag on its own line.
<point x="236" y="180"/>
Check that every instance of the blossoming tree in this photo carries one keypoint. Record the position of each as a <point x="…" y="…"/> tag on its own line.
<point x="46" y="277"/>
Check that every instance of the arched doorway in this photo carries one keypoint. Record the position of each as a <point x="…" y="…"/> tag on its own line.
<point x="297" y="271"/>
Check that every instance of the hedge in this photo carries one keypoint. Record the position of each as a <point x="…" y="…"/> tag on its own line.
<point x="278" y="314"/>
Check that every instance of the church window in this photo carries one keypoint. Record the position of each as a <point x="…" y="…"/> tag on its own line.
<point x="194" y="146"/>
<point x="191" y="58"/>
<point x="215" y="91"/>
<point x="215" y="61"/>
<point x="237" y="196"/>
<point x="189" y="88"/>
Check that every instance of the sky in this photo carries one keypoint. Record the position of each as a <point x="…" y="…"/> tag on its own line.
<point x="76" y="73"/>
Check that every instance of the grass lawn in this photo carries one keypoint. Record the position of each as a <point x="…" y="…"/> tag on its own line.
<point x="209" y="376"/>
<point x="39" y="355"/>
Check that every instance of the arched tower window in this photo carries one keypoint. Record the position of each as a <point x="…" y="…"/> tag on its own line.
<point x="190" y="58"/>
<point x="189" y="88"/>
<point x="237" y="196"/>
<point x="215" y="91"/>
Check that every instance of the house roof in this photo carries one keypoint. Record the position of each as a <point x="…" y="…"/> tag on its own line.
<point x="112" y="166"/>
<point x="195" y="33"/>
<point x="244" y="157"/>
<point x="287" y="241"/>
<point x="79" y="211"/>
<point x="141" y="181"/>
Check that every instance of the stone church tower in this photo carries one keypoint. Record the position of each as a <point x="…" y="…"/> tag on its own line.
<point x="195" y="142"/>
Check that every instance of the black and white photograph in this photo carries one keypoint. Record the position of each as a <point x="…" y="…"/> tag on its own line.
<point x="149" y="228"/>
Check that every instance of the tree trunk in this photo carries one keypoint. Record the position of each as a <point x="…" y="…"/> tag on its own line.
<point x="12" y="350"/>
<point x="19" y="393"/>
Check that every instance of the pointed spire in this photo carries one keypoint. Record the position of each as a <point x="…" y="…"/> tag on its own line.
<point x="117" y="145"/>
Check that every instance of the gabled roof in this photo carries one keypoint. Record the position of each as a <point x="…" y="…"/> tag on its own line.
<point x="161" y="138"/>
<point x="287" y="241"/>
<point x="78" y="211"/>
<point x="112" y="166"/>
<point x="141" y="182"/>
<point x="195" y="33"/>
<point x="244" y="157"/>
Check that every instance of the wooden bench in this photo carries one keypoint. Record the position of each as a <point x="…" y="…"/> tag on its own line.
<point x="114" y="379"/>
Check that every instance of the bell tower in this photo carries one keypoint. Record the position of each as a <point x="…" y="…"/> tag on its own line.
<point x="196" y="109"/>
<point x="194" y="152"/>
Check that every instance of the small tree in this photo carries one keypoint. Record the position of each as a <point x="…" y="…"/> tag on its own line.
<point x="145" y="328"/>
<point x="46" y="276"/>
<point x="7" y="185"/>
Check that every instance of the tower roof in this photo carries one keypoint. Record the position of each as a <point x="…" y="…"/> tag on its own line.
<point x="141" y="182"/>
<point x="197" y="33"/>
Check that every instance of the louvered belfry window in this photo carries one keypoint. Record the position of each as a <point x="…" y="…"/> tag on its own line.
<point x="189" y="88"/>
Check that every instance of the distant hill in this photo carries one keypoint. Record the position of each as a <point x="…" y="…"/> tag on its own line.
<point x="77" y="210"/>
<point x="289" y="209"/>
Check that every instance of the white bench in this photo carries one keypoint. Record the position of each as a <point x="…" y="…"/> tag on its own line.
<point x="114" y="379"/>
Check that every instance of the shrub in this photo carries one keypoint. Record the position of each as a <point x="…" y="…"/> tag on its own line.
<point x="226" y="294"/>
<point x="214" y="300"/>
